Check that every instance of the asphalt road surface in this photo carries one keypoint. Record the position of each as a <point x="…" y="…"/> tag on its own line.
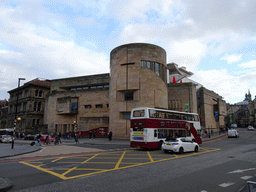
<point x="221" y="165"/>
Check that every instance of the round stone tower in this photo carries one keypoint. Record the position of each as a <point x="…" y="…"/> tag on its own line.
<point x="138" y="79"/>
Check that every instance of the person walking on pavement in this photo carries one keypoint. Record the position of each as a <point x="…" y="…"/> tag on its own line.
<point x="59" y="138"/>
<point x="90" y="135"/>
<point x="47" y="140"/>
<point x="38" y="140"/>
<point x="110" y="135"/>
<point x="94" y="134"/>
<point x="76" y="138"/>
<point x="56" y="139"/>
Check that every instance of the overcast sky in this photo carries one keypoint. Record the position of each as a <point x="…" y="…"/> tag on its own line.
<point x="214" y="39"/>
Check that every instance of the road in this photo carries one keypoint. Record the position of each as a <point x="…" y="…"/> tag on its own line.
<point x="221" y="165"/>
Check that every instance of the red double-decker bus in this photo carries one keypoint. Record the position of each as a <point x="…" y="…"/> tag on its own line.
<point x="150" y="127"/>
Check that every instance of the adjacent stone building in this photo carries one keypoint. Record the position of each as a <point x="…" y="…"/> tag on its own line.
<point x="211" y="109"/>
<point x="78" y="104"/>
<point x="27" y="103"/>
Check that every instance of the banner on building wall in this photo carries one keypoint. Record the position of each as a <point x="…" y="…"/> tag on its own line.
<point x="187" y="107"/>
<point x="74" y="107"/>
<point x="216" y="115"/>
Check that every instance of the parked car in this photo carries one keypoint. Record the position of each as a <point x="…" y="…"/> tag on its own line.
<point x="6" y="138"/>
<point x="43" y="138"/>
<point x="233" y="133"/>
<point x="30" y="137"/>
<point x="250" y="128"/>
<point x="179" y="145"/>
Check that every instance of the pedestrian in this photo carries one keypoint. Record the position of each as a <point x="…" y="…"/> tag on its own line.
<point x="47" y="140"/>
<point x="76" y="139"/>
<point x="59" y="138"/>
<point x="56" y="139"/>
<point x="110" y="135"/>
<point x="38" y="140"/>
<point x="94" y="134"/>
<point x="90" y="135"/>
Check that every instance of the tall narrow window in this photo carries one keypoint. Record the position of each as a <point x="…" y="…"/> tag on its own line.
<point x="157" y="69"/>
<point x="35" y="106"/>
<point x="148" y="64"/>
<point x="36" y="93"/>
<point x="39" y="106"/>
<point x="40" y="93"/>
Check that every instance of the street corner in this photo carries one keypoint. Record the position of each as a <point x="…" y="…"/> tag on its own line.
<point x="70" y="167"/>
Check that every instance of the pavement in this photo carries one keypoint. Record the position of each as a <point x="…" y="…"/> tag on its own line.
<point x="23" y="149"/>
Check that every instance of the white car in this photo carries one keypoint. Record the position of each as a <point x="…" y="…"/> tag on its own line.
<point x="5" y="138"/>
<point x="233" y="133"/>
<point x="250" y="128"/>
<point x="179" y="145"/>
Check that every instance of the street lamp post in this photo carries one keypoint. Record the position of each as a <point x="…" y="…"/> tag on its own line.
<point x="16" y="111"/>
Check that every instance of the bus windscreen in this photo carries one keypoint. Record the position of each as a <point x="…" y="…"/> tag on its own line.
<point x="139" y="113"/>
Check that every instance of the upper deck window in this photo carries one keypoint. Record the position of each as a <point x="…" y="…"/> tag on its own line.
<point x="139" y="113"/>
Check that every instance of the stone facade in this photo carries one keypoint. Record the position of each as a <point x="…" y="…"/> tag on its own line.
<point x="138" y="79"/>
<point x="78" y="104"/>
<point x="182" y="97"/>
<point x="30" y="108"/>
<point x="208" y="103"/>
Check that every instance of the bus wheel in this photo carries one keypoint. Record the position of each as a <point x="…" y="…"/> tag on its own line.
<point x="181" y="150"/>
<point x="160" y="144"/>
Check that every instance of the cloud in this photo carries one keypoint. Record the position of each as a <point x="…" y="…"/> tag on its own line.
<point x="249" y="64"/>
<point x="221" y="82"/>
<point x="42" y="51"/>
<point x="83" y="21"/>
<point x="231" y="58"/>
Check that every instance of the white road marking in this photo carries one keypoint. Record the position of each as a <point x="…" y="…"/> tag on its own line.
<point x="203" y="191"/>
<point x="226" y="184"/>
<point x="241" y="171"/>
<point x="246" y="177"/>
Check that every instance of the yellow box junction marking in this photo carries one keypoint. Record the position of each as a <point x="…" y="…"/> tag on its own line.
<point x="60" y="166"/>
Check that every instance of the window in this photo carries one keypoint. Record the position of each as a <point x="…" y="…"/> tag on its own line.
<point x="126" y="115"/>
<point x="148" y="64"/>
<point x="139" y="113"/>
<point x="98" y="106"/>
<point x="107" y="105"/>
<point x="157" y="69"/>
<point x="88" y="106"/>
<point x="40" y="93"/>
<point x="36" y="93"/>
<point x="128" y="95"/>
<point x="37" y="106"/>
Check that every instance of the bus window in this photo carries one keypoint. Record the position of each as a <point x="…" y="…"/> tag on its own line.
<point x="176" y="116"/>
<point x="160" y="114"/>
<point x="182" y="117"/>
<point x="196" y="118"/>
<point x="152" y="113"/>
<point x="139" y="113"/>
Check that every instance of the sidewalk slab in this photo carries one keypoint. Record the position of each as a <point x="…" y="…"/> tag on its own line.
<point x="18" y="149"/>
